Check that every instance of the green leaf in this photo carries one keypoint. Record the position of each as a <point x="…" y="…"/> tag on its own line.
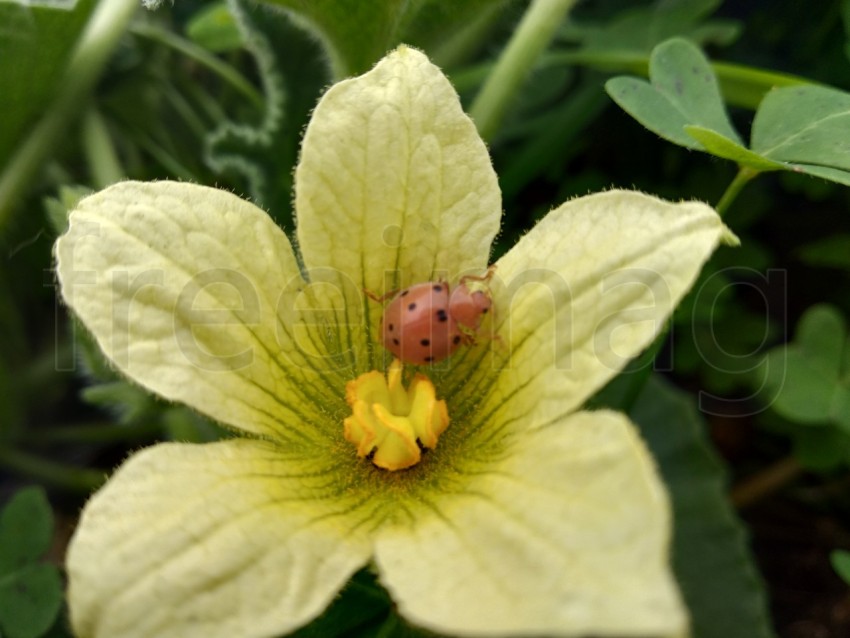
<point x="362" y="601"/>
<point x="680" y="72"/>
<point x="840" y="560"/>
<point x="820" y="449"/>
<point x="214" y="28"/>
<point x="652" y="109"/>
<point x="824" y="172"/>
<point x="801" y="128"/>
<point x="722" y="146"/>
<point x="57" y="208"/>
<point x="828" y="252"/>
<point x="804" y="125"/>
<point x="26" y="527"/>
<point x="30" y="599"/>
<point x="30" y="593"/>
<point x="447" y="29"/>
<point x="710" y="558"/>
<point x="355" y="33"/>
<point x="820" y="334"/>
<point x="639" y="30"/>
<point x="35" y="43"/>
<point x="683" y="92"/>
<point x="128" y="403"/>
<point x="805" y="376"/>
<point x="185" y="425"/>
<point x="264" y="150"/>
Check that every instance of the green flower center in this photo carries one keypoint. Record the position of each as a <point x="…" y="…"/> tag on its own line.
<point x="391" y="424"/>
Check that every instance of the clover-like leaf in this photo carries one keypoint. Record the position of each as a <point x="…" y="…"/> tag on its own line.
<point x="802" y="128"/>
<point x="682" y="91"/>
<point x="808" y="378"/>
<point x="26" y="526"/>
<point x="721" y="146"/>
<point x="30" y="592"/>
<point x="807" y="127"/>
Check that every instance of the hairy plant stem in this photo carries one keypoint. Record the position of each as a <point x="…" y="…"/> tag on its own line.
<point x="533" y="34"/>
<point x="105" y="27"/>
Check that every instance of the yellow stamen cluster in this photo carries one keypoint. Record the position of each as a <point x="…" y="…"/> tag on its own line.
<point x="391" y="423"/>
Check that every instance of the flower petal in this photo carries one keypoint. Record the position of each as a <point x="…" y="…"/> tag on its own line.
<point x="226" y="539"/>
<point x="394" y="185"/>
<point x="192" y="293"/>
<point x="566" y="535"/>
<point x="591" y="286"/>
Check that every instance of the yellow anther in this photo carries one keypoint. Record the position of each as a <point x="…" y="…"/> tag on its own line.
<point x="391" y="423"/>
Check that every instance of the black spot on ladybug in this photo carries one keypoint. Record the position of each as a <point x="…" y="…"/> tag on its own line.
<point x="412" y="306"/>
<point x="429" y="359"/>
<point x="390" y="327"/>
<point x="456" y="340"/>
<point x="396" y="342"/>
<point x="442" y="315"/>
<point x="425" y="342"/>
<point x="404" y="293"/>
<point x="438" y="288"/>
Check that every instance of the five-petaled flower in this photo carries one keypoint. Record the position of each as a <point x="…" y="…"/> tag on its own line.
<point x="529" y="517"/>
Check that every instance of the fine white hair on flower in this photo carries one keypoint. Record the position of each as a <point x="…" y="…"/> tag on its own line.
<point x="153" y="4"/>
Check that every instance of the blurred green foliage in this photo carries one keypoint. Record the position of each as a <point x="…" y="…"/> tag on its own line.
<point x="218" y="93"/>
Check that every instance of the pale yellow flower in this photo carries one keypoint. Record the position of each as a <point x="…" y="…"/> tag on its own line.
<point x="529" y="517"/>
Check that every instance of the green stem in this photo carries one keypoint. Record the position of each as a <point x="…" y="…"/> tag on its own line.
<point x="745" y="174"/>
<point x="41" y="469"/>
<point x="93" y="50"/>
<point x="204" y="57"/>
<point x="104" y="165"/>
<point x="532" y="36"/>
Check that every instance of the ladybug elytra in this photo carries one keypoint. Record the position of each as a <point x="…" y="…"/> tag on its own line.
<point x="427" y="322"/>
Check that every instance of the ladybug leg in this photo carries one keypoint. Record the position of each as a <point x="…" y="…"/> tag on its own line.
<point x="379" y="298"/>
<point x="487" y="276"/>
<point x="470" y="338"/>
<point x="467" y="336"/>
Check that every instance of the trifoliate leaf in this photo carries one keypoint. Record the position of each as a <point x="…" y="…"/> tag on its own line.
<point x="682" y="91"/>
<point x="807" y="378"/>
<point x="30" y="592"/>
